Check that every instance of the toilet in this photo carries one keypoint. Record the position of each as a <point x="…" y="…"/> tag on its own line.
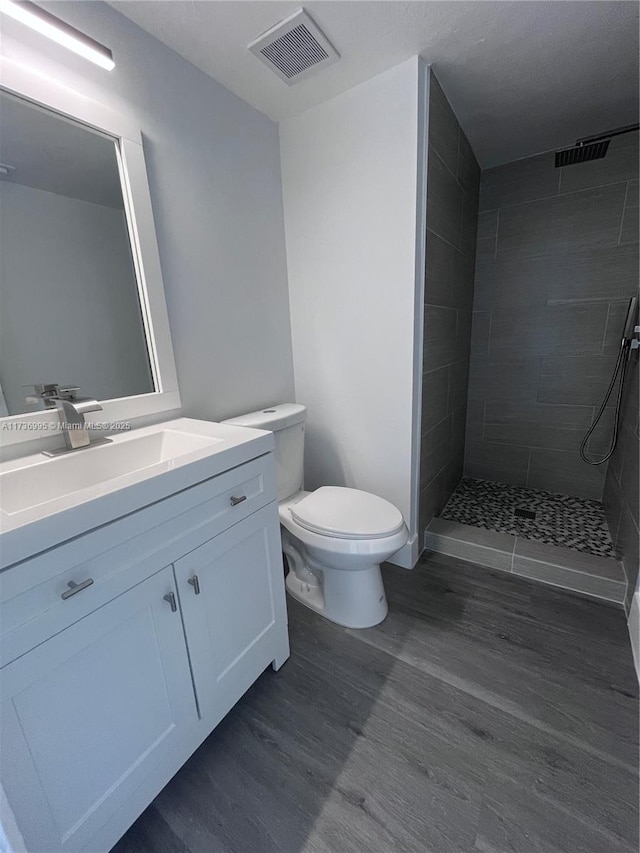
<point x="334" y="538"/>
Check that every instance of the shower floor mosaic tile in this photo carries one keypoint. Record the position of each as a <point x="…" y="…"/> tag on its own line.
<point x="559" y="519"/>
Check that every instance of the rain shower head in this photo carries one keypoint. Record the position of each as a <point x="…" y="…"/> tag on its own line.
<point x="590" y="148"/>
<point x="582" y="153"/>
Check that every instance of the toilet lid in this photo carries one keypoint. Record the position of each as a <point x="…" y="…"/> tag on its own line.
<point x="347" y="514"/>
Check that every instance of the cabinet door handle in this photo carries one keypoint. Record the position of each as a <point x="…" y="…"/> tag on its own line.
<point x="75" y="588"/>
<point x="235" y="501"/>
<point x="195" y="583"/>
<point x="170" y="597"/>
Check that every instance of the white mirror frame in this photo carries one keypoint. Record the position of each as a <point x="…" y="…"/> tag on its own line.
<point x="25" y="83"/>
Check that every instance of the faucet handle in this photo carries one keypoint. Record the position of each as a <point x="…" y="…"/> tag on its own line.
<point x="84" y="405"/>
<point x="67" y="392"/>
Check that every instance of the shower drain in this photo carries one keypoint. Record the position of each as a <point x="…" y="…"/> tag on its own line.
<point x="524" y="513"/>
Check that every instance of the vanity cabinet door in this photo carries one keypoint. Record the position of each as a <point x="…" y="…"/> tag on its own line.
<point x="233" y="603"/>
<point x="87" y="715"/>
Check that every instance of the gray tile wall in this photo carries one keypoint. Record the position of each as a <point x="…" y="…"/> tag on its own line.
<point x="557" y="262"/>
<point x="453" y="180"/>
<point x="621" y="486"/>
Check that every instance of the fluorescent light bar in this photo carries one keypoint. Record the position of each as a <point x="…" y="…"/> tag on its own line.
<point x="51" y="27"/>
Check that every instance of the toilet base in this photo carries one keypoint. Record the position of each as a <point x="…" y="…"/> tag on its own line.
<point x="353" y="599"/>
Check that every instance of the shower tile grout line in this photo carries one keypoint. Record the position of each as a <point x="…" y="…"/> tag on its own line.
<point x="587" y="300"/>
<point x="624" y="210"/>
<point x="444" y="240"/>
<point x="561" y="195"/>
<point x="606" y="329"/>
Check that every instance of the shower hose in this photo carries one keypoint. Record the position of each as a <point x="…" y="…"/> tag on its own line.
<point x="621" y="369"/>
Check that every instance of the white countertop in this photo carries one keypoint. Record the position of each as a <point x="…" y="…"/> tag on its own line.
<point x="36" y="517"/>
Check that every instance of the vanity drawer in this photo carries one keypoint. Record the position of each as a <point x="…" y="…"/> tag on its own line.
<point x="44" y="595"/>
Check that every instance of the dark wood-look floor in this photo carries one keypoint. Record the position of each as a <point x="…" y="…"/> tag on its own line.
<point x="487" y="713"/>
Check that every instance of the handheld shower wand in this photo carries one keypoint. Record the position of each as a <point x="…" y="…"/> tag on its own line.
<point x="628" y="342"/>
<point x="630" y="328"/>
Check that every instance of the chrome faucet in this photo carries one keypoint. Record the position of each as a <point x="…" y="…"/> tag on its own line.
<point x="71" y="411"/>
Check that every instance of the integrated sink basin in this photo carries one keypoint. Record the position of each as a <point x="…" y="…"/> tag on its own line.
<point x="48" y="480"/>
<point x="44" y="500"/>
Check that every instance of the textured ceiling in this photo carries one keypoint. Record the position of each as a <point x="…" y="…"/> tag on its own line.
<point x="522" y="77"/>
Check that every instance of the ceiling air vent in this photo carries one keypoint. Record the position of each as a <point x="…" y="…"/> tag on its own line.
<point x="294" y="48"/>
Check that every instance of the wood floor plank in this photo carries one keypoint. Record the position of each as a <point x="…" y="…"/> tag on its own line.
<point x="541" y="676"/>
<point x="482" y="594"/>
<point x="485" y="714"/>
<point x="464" y="739"/>
<point x="379" y="754"/>
<point x="152" y="832"/>
<point x="515" y="820"/>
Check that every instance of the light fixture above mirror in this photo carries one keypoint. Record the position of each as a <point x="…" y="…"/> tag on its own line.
<point x="53" y="28"/>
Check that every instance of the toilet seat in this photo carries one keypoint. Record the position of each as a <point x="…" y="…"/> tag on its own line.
<point x="347" y="514"/>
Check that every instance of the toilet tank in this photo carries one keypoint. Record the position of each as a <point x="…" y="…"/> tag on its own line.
<point x="286" y="422"/>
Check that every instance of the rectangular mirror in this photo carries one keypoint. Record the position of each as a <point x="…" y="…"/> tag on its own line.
<point x="70" y="311"/>
<point x="81" y="295"/>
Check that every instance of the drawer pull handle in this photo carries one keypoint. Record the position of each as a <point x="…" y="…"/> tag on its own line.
<point x="235" y="501"/>
<point x="170" y="597"/>
<point x="75" y="587"/>
<point x="195" y="583"/>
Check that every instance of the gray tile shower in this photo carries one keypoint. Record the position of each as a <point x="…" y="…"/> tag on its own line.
<point x="453" y="179"/>
<point x="621" y="497"/>
<point x="557" y="263"/>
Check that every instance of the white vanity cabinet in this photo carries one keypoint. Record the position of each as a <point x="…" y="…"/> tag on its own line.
<point x="106" y="692"/>
<point x="89" y="713"/>
<point x="230" y="605"/>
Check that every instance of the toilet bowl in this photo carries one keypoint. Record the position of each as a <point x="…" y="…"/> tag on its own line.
<point x="333" y="538"/>
<point x="334" y="545"/>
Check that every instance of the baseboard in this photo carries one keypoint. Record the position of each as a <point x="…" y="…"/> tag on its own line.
<point x="633" y="624"/>
<point x="408" y="555"/>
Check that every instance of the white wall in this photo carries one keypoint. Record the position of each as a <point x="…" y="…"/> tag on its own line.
<point x="214" y="175"/>
<point x="350" y="187"/>
<point x="69" y="308"/>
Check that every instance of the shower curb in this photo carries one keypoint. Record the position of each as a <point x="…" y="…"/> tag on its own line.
<point x="598" y="577"/>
